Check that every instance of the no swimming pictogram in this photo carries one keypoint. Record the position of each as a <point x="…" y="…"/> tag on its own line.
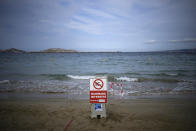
<point x="98" y="84"/>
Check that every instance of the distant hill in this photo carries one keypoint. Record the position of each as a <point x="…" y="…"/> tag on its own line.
<point x="50" y="50"/>
<point x="12" y="50"/>
<point x="57" y="50"/>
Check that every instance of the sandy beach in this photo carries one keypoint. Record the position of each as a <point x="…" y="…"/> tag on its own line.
<point x="128" y="115"/>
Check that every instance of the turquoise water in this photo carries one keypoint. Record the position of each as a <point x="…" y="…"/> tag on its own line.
<point x="140" y="73"/>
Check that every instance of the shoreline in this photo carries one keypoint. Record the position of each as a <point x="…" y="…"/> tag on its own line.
<point x="130" y="114"/>
<point x="66" y="96"/>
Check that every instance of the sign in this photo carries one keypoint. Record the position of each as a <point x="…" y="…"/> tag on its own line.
<point x="98" y="107"/>
<point x="98" y="96"/>
<point x="98" y="90"/>
<point x="98" y="84"/>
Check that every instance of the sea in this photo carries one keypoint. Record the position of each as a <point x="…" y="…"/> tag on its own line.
<point x="139" y="73"/>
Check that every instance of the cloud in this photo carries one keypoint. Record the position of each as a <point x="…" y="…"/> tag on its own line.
<point x="92" y="28"/>
<point x="151" y="41"/>
<point x="128" y="22"/>
<point x="187" y="40"/>
<point x="98" y="13"/>
<point x="92" y="21"/>
<point x="83" y="19"/>
<point x="85" y="24"/>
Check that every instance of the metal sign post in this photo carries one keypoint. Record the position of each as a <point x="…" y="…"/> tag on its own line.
<point x="98" y="97"/>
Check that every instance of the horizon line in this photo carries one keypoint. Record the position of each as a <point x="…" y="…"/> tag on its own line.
<point x="77" y="51"/>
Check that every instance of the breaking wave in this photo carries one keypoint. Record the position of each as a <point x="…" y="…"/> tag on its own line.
<point x="80" y="77"/>
<point x="111" y="78"/>
<point x="4" y="81"/>
<point x="127" y="79"/>
<point x="56" y="76"/>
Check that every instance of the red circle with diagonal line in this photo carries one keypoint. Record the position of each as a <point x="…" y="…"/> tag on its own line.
<point x="98" y="84"/>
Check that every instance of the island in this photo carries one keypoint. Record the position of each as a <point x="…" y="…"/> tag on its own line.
<point x="50" y="50"/>
<point x="12" y="50"/>
<point x="57" y="50"/>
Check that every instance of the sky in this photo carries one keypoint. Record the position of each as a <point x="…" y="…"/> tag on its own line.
<point x="98" y="25"/>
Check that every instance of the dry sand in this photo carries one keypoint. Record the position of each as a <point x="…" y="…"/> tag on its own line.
<point x="129" y="115"/>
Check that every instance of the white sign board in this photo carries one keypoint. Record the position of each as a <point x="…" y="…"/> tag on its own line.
<point x="98" y="84"/>
<point x="98" y="90"/>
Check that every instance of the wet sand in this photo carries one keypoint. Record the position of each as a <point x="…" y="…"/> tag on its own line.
<point x="129" y="115"/>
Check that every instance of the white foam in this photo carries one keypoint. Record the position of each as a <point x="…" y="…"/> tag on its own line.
<point x="80" y="77"/>
<point x="131" y="92"/>
<point x="172" y="74"/>
<point x="127" y="79"/>
<point x="4" y="81"/>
